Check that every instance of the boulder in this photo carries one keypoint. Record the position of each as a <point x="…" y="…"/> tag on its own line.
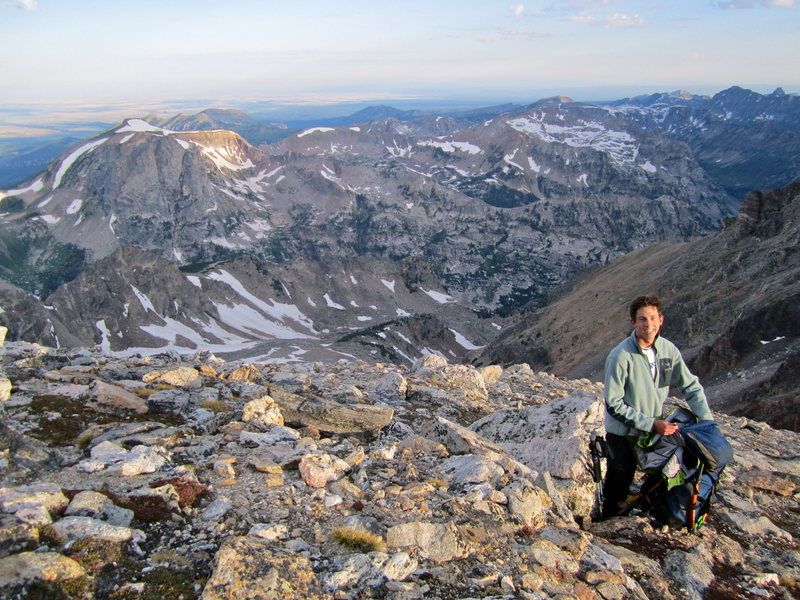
<point x="249" y="567"/>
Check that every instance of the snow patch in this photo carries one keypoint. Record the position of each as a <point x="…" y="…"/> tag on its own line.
<point x="142" y="126"/>
<point x="315" y="130"/>
<point x="72" y="157"/>
<point x="331" y="304"/>
<point x="74" y="206"/>
<point x="388" y="284"/>
<point x="36" y="186"/>
<point x="143" y="300"/>
<point x="509" y="159"/>
<point x="227" y="157"/>
<point x="464" y="342"/>
<point x="273" y="309"/>
<point x="619" y="145"/>
<point x="452" y="146"/>
<point x="440" y="297"/>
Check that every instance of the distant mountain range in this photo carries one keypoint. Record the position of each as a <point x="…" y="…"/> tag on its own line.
<point x="389" y="237"/>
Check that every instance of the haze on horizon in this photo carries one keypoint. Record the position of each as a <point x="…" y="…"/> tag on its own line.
<point x="61" y="57"/>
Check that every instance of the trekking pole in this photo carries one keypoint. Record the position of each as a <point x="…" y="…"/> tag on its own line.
<point x="598" y="451"/>
<point x="692" y="512"/>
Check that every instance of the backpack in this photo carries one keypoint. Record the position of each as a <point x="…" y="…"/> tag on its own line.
<point x="682" y="469"/>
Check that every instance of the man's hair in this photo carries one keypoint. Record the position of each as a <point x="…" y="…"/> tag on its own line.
<point x="643" y="301"/>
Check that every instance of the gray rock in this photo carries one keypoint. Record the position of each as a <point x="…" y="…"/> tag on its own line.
<point x="70" y="529"/>
<point x="690" y="570"/>
<point x="217" y="509"/>
<point x="757" y="526"/>
<point x="330" y="416"/>
<point x="45" y="495"/>
<point x="99" y="506"/>
<point x="441" y="542"/>
<point x="552" y="437"/>
<point x="465" y="469"/>
<point x="168" y="401"/>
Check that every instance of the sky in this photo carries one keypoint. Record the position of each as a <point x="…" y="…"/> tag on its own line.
<point x="61" y="55"/>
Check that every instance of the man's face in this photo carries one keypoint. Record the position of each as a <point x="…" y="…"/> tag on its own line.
<point x="647" y="323"/>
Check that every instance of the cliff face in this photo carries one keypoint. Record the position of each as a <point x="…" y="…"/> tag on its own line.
<point x="730" y="303"/>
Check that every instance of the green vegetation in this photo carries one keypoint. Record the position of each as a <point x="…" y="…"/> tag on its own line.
<point x="438" y="237"/>
<point x="14" y="204"/>
<point x="38" y="264"/>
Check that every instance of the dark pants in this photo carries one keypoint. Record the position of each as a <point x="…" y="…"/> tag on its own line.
<point x="620" y="470"/>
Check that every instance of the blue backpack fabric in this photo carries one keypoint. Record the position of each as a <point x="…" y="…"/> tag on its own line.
<point x="707" y="443"/>
<point x="682" y="469"/>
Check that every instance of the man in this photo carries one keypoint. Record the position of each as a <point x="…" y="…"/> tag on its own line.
<point x="638" y="375"/>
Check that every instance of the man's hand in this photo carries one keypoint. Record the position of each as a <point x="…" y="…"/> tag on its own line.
<point x="664" y="427"/>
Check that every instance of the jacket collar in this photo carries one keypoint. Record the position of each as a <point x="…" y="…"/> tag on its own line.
<point x="635" y="341"/>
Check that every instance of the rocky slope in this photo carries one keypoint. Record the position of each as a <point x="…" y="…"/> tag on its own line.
<point x="188" y="477"/>
<point x="730" y="303"/>
<point x="244" y="308"/>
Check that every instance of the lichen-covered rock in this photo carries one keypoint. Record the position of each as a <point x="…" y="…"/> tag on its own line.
<point x="43" y="575"/>
<point x="181" y="377"/>
<point x="249" y="568"/>
<point x="263" y="411"/>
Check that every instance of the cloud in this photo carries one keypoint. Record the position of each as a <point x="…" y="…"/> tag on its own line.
<point x="518" y="9"/>
<point x="25" y="4"/>
<point x="581" y="5"/>
<point x="753" y="3"/>
<point x="617" y="20"/>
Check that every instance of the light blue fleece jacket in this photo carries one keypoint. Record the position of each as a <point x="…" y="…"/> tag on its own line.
<point x="633" y="399"/>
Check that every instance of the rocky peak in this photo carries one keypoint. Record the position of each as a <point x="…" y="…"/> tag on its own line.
<point x="765" y="214"/>
<point x="188" y="476"/>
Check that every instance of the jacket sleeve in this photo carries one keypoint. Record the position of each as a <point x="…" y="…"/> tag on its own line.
<point x="691" y="389"/>
<point x="616" y="377"/>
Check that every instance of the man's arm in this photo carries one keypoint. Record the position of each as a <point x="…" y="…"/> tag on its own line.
<point x="691" y="389"/>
